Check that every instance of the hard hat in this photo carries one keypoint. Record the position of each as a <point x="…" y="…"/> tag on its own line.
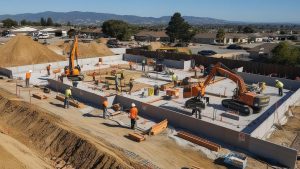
<point x="132" y="105"/>
<point x="70" y="87"/>
<point x="50" y="64"/>
<point x="30" y="71"/>
<point x="276" y="80"/>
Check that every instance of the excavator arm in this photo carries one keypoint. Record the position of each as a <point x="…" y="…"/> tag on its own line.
<point x="73" y="54"/>
<point x="223" y="70"/>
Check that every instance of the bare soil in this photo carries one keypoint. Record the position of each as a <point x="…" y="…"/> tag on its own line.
<point x="22" y="50"/>
<point x="50" y="137"/>
<point x="289" y="133"/>
<point x="87" y="50"/>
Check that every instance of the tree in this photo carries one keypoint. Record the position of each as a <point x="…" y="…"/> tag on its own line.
<point x="69" y="23"/>
<point x="9" y="23"/>
<point x="24" y="22"/>
<point x="43" y="22"/>
<point x="220" y="35"/>
<point x="178" y="29"/>
<point x="285" y="53"/>
<point x="282" y="32"/>
<point x="117" y="29"/>
<point x="49" y="22"/>
<point x="248" y="29"/>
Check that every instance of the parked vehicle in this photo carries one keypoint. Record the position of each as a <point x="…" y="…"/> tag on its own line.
<point x="207" y="52"/>
<point x="234" y="46"/>
<point x="43" y="36"/>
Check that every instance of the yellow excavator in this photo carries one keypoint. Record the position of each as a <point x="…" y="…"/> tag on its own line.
<point x="73" y="72"/>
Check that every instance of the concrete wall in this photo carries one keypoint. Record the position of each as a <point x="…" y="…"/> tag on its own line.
<point x="118" y="50"/>
<point x="81" y="95"/>
<point x="267" y="150"/>
<point x="177" y="64"/>
<point x="277" y="115"/>
<point x="6" y="72"/>
<point x="62" y="64"/>
<point x="255" y="78"/>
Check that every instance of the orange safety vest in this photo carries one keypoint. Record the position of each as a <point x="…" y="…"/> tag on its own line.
<point x="105" y="103"/>
<point x="28" y="75"/>
<point x="48" y="67"/>
<point x="94" y="74"/>
<point x="133" y="113"/>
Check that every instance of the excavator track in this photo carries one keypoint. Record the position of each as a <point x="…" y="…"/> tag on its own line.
<point x="237" y="106"/>
<point x="76" y="78"/>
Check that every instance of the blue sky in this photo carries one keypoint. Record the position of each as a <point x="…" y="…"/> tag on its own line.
<point x="234" y="10"/>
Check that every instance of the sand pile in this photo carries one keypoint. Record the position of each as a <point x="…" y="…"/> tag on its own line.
<point x="22" y="50"/>
<point x="155" y="45"/>
<point x="103" y="40"/>
<point x="87" y="50"/>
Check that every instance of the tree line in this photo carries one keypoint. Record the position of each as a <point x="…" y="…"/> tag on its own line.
<point x="8" y="23"/>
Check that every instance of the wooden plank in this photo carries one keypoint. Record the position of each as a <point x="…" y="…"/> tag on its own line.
<point x="72" y="102"/>
<point x="137" y="137"/>
<point x="39" y="96"/>
<point x="199" y="141"/>
<point x="159" y="127"/>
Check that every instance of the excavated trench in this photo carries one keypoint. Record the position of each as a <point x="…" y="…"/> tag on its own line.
<point x="50" y="137"/>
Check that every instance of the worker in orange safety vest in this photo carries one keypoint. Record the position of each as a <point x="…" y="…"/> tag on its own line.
<point x="27" y="77"/>
<point x="104" y="107"/>
<point x="133" y="116"/>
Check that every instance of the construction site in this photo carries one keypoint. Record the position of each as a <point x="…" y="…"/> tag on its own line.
<point x="189" y="115"/>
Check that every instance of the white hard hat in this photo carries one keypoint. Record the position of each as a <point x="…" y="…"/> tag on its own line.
<point x="276" y="80"/>
<point x="30" y="71"/>
<point x="132" y="105"/>
<point x="50" y="64"/>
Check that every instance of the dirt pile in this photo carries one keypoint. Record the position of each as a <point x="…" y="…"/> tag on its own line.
<point x="155" y="45"/>
<point x="22" y="50"/>
<point x="50" y="136"/>
<point x="87" y="50"/>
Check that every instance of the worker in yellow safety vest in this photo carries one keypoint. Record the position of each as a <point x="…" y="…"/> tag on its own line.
<point x="279" y="85"/>
<point x="68" y="95"/>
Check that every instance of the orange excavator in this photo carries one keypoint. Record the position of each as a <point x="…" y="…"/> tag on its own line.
<point x="243" y="101"/>
<point x="73" y="72"/>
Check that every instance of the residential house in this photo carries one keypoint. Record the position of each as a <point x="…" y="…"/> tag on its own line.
<point x="92" y="33"/>
<point x="237" y="37"/>
<point x="152" y="36"/>
<point x="210" y="38"/>
<point x="262" y="51"/>
<point x="256" y="37"/>
<point x="205" y="38"/>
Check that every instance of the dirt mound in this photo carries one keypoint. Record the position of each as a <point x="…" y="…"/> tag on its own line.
<point x="48" y="135"/>
<point x="87" y="50"/>
<point x="155" y="45"/>
<point x="22" y="50"/>
<point x="103" y="40"/>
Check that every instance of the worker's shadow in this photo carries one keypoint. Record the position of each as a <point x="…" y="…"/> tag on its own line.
<point x="115" y="125"/>
<point x="217" y="106"/>
<point x="90" y="115"/>
<point x="57" y="104"/>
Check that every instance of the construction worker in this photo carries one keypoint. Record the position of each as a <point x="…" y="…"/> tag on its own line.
<point x="197" y="112"/>
<point x="48" y="69"/>
<point x="133" y="116"/>
<point x="27" y="77"/>
<point x="130" y="65"/>
<point x="130" y="85"/>
<point x="104" y="107"/>
<point x="174" y="79"/>
<point x="262" y="87"/>
<point x="279" y="85"/>
<point x="94" y="76"/>
<point x="68" y="95"/>
<point x="117" y="82"/>
<point x="143" y="64"/>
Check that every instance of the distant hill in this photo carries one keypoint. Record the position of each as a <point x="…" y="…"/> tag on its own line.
<point x="90" y="18"/>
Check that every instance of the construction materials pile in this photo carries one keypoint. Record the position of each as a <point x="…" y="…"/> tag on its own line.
<point x="22" y="50"/>
<point x="87" y="50"/>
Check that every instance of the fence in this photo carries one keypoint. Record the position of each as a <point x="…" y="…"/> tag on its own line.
<point x="290" y="72"/>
